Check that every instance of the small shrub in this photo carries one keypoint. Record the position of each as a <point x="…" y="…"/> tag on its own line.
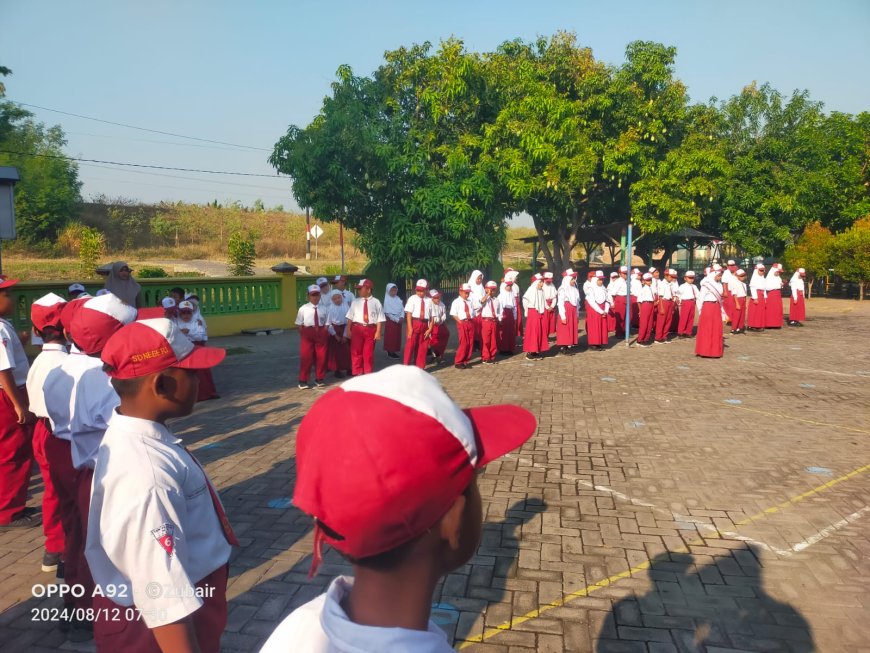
<point x="241" y="254"/>
<point x="70" y="239"/>
<point x="332" y="270"/>
<point x="91" y="249"/>
<point x="151" y="272"/>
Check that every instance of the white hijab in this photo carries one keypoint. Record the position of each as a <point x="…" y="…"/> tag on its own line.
<point x="797" y="283"/>
<point x="393" y="305"/>
<point x="534" y="298"/>
<point x="569" y="293"/>
<point x="757" y="282"/>
<point x="597" y="293"/>
<point x="715" y="287"/>
<point x="772" y="281"/>
<point x="512" y="277"/>
<point x="477" y="289"/>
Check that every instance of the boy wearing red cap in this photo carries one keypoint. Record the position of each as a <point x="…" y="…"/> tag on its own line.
<point x="312" y="320"/>
<point x="45" y="316"/>
<point x="402" y="536"/>
<point x="463" y="314"/>
<point x="418" y="324"/>
<point x="157" y="530"/>
<point x="365" y="319"/>
<point x="440" y="334"/>
<point x="16" y="419"/>
<point x="491" y="315"/>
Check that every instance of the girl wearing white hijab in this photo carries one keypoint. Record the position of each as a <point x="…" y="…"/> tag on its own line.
<point x="758" y="301"/>
<point x="797" y="310"/>
<point x="596" y="313"/>
<point x="512" y="276"/>
<point x="773" y="305"/>
<point x="709" y="341"/>
<point x="478" y="292"/>
<point x="506" y="333"/>
<point x="121" y="283"/>
<point x="535" y="305"/>
<point x="394" y="309"/>
<point x="569" y="313"/>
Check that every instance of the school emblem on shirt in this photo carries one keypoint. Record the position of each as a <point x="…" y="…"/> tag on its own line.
<point x="165" y="536"/>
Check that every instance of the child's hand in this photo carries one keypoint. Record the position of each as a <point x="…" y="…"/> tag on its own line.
<point x="24" y="415"/>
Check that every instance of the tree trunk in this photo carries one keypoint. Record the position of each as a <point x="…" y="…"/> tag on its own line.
<point x="810" y="288"/>
<point x="860" y="291"/>
<point x="542" y="241"/>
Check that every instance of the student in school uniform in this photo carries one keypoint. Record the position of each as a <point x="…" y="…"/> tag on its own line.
<point x="401" y="537"/>
<point x="418" y="325"/>
<point x="611" y="316"/>
<point x="709" y="342"/>
<point x="323" y="284"/>
<point x="338" y="348"/>
<point x="339" y="285"/>
<point x="440" y="333"/>
<point x="156" y="520"/>
<point x="80" y="401"/>
<point x="491" y="315"/>
<point x="618" y="291"/>
<point x="596" y="313"/>
<point x="16" y="420"/>
<point x="646" y="303"/>
<point x="675" y="289"/>
<point x="512" y="276"/>
<point x="797" y="308"/>
<point x="757" y="303"/>
<point x="551" y="298"/>
<point x="195" y="331"/>
<point x="687" y="296"/>
<point x="45" y="316"/>
<point x="365" y="319"/>
<point x="506" y="335"/>
<point x="728" y="274"/>
<point x="170" y="308"/>
<point x="535" y="341"/>
<point x="665" y="309"/>
<point x="569" y="313"/>
<point x="75" y="290"/>
<point x="394" y="310"/>
<point x="476" y="297"/>
<point x="462" y="314"/>
<point x="312" y="320"/>
<point x="773" y="313"/>
<point x="737" y="291"/>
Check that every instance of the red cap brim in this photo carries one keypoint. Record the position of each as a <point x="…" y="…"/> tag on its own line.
<point x="202" y="358"/>
<point x="499" y="430"/>
<point x="149" y="313"/>
<point x="8" y="283"/>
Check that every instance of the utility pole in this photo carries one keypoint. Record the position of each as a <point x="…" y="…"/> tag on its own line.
<point x="307" y="234"/>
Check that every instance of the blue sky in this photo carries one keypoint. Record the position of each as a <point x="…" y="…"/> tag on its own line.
<point x="241" y="72"/>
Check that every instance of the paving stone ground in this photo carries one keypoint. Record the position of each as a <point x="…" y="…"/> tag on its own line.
<point x="666" y="503"/>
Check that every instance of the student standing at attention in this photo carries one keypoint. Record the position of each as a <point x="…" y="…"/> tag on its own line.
<point x="490" y="313"/>
<point x="365" y="319"/>
<point x="506" y="336"/>
<point x="338" y="349"/>
<point x="401" y="537"/>
<point x="569" y="313"/>
<point x="646" y="307"/>
<point x="758" y="302"/>
<point x="737" y="288"/>
<point x="665" y="309"/>
<point x="418" y="324"/>
<point x="394" y="310"/>
<point x="16" y="420"/>
<point x="462" y="314"/>
<point x="687" y="295"/>
<point x="155" y="519"/>
<point x="709" y="342"/>
<point x="45" y="316"/>
<point x="535" y="340"/>
<point x="551" y="299"/>
<point x="596" y="313"/>
<point x="440" y="334"/>
<point x="312" y="321"/>
<point x="797" y="309"/>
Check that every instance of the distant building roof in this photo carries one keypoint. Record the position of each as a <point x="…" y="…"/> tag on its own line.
<point x="8" y="173"/>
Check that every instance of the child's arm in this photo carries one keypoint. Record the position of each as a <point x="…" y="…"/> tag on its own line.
<point x="178" y="637"/>
<point x="12" y="391"/>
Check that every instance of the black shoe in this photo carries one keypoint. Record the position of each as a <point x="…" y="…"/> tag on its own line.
<point x="339" y="375"/>
<point x="50" y="561"/>
<point x="59" y="574"/>
<point x="24" y="519"/>
<point x="392" y="355"/>
<point x="319" y="383"/>
<point x="304" y="386"/>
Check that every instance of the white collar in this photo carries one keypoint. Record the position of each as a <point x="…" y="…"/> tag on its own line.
<point x="141" y="426"/>
<point x="349" y="636"/>
<point x="53" y="346"/>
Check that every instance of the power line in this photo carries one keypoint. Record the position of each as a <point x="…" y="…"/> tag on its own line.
<point x="209" y="191"/>
<point x="139" y="165"/>
<point x="144" y="129"/>
<point x="197" y="179"/>
<point x="151" y="140"/>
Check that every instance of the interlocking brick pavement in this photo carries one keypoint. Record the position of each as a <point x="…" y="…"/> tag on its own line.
<point x="648" y="460"/>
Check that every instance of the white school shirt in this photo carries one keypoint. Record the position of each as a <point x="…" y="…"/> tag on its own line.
<point x="551" y="295"/>
<point x="195" y="329"/>
<point x="655" y="286"/>
<point x="439" y="313"/>
<point x="412" y="306"/>
<point x="376" y="311"/>
<point x="151" y="520"/>
<point x="457" y="309"/>
<point x="305" y="315"/>
<point x="335" y="317"/>
<point x="617" y="287"/>
<point x="636" y="285"/>
<point x="490" y="308"/>
<point x="645" y="295"/>
<point x="571" y="295"/>
<point x="688" y="292"/>
<point x="727" y="275"/>
<point x="322" y="626"/>
<point x="80" y="400"/>
<point x="666" y="291"/>
<point x="597" y="295"/>
<point x="52" y="355"/>
<point x="508" y="302"/>
<point x="12" y="356"/>
<point x="736" y="286"/>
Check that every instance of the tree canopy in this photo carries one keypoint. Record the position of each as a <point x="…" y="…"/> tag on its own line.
<point x="427" y="157"/>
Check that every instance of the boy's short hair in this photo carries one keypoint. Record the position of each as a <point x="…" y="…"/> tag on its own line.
<point x="125" y="387"/>
<point x="51" y="332"/>
<point x="177" y="290"/>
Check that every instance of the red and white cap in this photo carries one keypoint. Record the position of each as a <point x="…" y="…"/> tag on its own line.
<point x="652" y="270"/>
<point x="421" y="284"/>
<point x="801" y="271"/>
<point x="188" y="306"/>
<point x="96" y="320"/>
<point x="741" y="273"/>
<point x="381" y="458"/>
<point x="716" y="267"/>
<point x="465" y="287"/>
<point x="538" y="277"/>
<point x="613" y="275"/>
<point x="322" y="281"/>
<point x="491" y="284"/>
<point x="689" y="273"/>
<point x="778" y="266"/>
<point x="434" y="293"/>
<point x="313" y="288"/>
<point x="6" y="282"/>
<point x="46" y="311"/>
<point x="732" y="263"/>
<point x="647" y="276"/>
<point x="599" y="274"/>
<point x="150" y="346"/>
<point x="168" y="302"/>
<point x="672" y="272"/>
<point x="548" y="275"/>
<point x="71" y="308"/>
<point x="365" y="283"/>
<point x="635" y="271"/>
<point x="623" y="268"/>
<point x="759" y="266"/>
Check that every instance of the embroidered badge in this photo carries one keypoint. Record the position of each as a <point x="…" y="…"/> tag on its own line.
<point x="165" y="536"/>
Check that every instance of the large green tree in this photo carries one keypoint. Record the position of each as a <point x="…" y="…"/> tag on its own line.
<point x="47" y="196"/>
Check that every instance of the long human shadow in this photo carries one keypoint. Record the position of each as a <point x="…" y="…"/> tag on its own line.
<point x="501" y="541"/>
<point x="695" y="611"/>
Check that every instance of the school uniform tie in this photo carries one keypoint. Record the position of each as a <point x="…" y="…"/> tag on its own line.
<point x="365" y="311"/>
<point x="467" y="314"/>
<point x="316" y="318"/>
<point x="422" y="309"/>
<point x="229" y="534"/>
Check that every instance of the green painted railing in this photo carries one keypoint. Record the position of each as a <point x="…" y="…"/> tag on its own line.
<point x="218" y="295"/>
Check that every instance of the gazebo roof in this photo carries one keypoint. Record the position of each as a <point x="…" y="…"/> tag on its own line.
<point x="613" y="231"/>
